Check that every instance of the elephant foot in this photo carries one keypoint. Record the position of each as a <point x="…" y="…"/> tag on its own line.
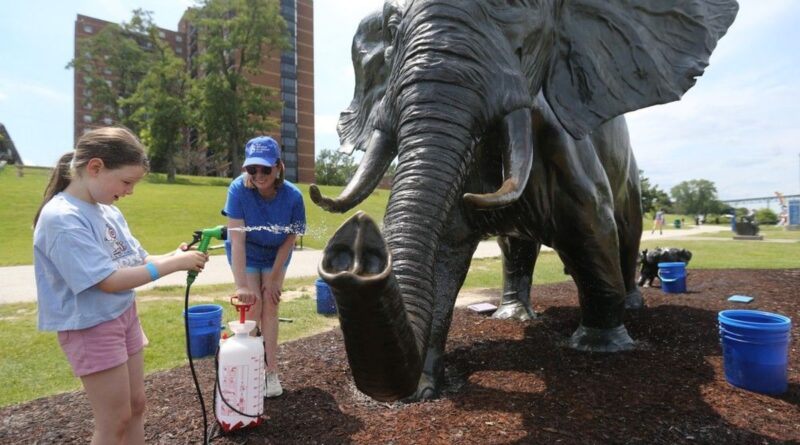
<point x="634" y="300"/>
<point x="601" y="340"/>
<point x="514" y="309"/>
<point x="427" y="389"/>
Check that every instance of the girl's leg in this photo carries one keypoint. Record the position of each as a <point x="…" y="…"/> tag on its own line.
<point x="109" y="394"/>
<point x="135" y="433"/>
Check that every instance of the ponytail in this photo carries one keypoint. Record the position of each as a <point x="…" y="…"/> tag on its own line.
<point x="59" y="180"/>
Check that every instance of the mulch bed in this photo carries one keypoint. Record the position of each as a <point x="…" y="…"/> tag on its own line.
<point x="507" y="382"/>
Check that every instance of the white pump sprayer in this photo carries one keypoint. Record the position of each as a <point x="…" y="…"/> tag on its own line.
<point x="239" y="398"/>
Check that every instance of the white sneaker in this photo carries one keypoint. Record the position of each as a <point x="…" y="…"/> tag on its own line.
<point x="274" y="388"/>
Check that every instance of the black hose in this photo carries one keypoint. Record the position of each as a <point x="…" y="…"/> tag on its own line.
<point x="191" y="364"/>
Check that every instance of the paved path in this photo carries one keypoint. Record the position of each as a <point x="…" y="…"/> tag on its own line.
<point x="18" y="284"/>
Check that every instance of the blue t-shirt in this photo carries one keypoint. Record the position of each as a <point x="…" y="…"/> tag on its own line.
<point x="276" y="218"/>
<point x="75" y="246"/>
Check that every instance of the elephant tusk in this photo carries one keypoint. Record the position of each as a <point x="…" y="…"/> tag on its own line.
<point x="377" y="158"/>
<point x="517" y="162"/>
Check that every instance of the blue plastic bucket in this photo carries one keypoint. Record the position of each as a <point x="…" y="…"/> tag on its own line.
<point x="326" y="304"/>
<point x="755" y="348"/>
<point x="205" y="324"/>
<point x="673" y="277"/>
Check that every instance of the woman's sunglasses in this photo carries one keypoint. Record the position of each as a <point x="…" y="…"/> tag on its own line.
<point x="253" y="169"/>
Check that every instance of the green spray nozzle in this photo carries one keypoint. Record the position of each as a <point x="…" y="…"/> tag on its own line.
<point x="204" y="237"/>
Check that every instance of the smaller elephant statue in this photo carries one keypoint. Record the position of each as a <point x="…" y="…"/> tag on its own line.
<point x="650" y="259"/>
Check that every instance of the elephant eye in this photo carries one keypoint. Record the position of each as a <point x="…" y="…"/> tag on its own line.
<point x="391" y="27"/>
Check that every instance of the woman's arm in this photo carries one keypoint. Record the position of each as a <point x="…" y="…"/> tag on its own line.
<point x="272" y="286"/>
<point x="239" y="260"/>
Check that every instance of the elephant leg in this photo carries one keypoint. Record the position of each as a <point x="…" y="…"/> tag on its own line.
<point x="591" y="254"/>
<point x="452" y="263"/>
<point x="519" y="259"/>
<point x="629" y="230"/>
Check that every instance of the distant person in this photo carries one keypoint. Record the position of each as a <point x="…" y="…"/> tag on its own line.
<point x="261" y="198"/>
<point x="658" y="222"/>
<point x="87" y="264"/>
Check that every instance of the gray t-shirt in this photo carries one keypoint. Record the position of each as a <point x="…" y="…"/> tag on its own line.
<point x="75" y="246"/>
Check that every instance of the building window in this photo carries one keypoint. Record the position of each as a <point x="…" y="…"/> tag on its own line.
<point x="87" y="118"/>
<point x="87" y="106"/>
<point x="288" y="85"/>
<point x="289" y="70"/>
<point x="88" y="28"/>
<point x="107" y="71"/>
<point x="107" y="120"/>
<point x="161" y="34"/>
<point x="179" y="50"/>
<point x="179" y="38"/>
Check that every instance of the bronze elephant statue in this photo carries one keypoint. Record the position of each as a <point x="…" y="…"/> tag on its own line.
<point x="506" y="120"/>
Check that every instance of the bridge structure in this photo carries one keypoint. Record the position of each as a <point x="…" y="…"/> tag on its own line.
<point x="771" y="202"/>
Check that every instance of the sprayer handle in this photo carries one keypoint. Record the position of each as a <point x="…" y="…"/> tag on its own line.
<point x="241" y="307"/>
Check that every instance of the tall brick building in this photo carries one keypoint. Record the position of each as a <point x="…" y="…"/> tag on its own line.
<point x="291" y="73"/>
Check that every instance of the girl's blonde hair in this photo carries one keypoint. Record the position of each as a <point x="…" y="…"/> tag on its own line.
<point x="248" y="180"/>
<point x="117" y="147"/>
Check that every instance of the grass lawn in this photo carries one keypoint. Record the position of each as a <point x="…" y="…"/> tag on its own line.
<point x="25" y="375"/>
<point x="768" y="232"/>
<point x="160" y="215"/>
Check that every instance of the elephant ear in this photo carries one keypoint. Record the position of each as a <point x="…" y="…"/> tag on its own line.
<point x="371" y="72"/>
<point x="616" y="56"/>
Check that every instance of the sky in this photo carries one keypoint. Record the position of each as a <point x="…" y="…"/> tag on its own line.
<point x="738" y="127"/>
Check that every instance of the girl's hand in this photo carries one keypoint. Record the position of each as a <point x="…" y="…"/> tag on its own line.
<point x="244" y="295"/>
<point x="182" y="248"/>
<point x="272" y="290"/>
<point x="191" y="260"/>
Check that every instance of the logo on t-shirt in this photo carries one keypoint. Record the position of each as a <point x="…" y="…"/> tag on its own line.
<point x="117" y="246"/>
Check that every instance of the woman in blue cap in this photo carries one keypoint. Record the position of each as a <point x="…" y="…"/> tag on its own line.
<point x="265" y="214"/>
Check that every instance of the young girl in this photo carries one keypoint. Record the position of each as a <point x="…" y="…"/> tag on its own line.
<point x="87" y="264"/>
<point x="262" y="198"/>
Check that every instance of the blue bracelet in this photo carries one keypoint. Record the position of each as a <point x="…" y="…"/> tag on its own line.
<point x="154" y="275"/>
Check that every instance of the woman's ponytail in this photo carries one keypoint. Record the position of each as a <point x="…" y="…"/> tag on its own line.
<point x="59" y="180"/>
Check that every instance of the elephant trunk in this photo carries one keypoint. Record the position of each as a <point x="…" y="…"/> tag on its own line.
<point x="384" y="290"/>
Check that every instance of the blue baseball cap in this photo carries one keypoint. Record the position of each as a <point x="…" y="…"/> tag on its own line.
<point x="262" y="150"/>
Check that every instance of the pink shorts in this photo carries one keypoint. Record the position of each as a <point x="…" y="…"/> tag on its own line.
<point x="104" y="346"/>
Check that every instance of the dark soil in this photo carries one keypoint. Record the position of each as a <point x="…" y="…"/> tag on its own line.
<point x="507" y="382"/>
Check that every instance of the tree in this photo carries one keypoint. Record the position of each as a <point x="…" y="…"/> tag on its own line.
<point x="118" y="52"/>
<point x="159" y="105"/>
<point x="766" y="216"/>
<point x="334" y="168"/>
<point x="696" y="196"/>
<point x="652" y="197"/>
<point x="229" y="109"/>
